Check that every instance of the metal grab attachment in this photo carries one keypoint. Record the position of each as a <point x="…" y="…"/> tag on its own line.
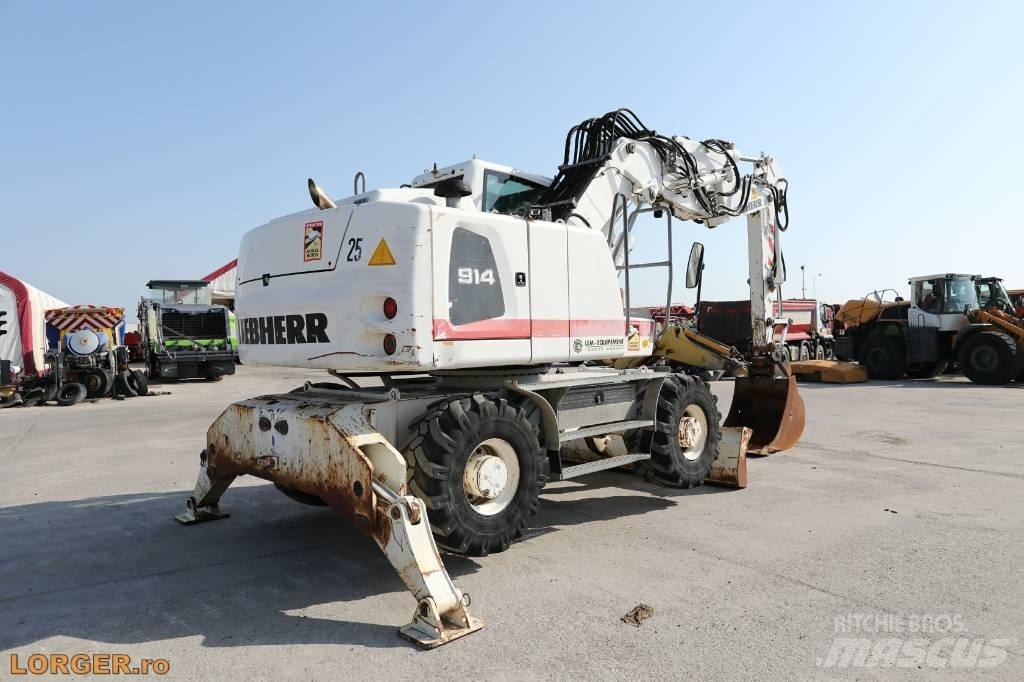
<point x="330" y="451"/>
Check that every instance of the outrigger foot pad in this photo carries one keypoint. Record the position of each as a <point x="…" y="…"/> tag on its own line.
<point x="430" y="629"/>
<point x="195" y="514"/>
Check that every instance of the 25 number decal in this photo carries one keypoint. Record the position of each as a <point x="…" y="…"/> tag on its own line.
<point x="475" y="276"/>
<point x="355" y="249"/>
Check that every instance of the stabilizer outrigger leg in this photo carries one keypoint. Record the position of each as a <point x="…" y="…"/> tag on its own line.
<point x="204" y="503"/>
<point x="330" y="451"/>
<point x="441" y="614"/>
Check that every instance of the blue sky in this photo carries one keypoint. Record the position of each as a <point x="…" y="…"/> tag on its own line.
<point x="141" y="140"/>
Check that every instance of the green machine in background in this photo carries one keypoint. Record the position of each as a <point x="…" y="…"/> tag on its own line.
<point x="184" y="335"/>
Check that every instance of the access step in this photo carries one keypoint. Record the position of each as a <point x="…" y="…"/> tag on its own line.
<point x="602" y="429"/>
<point x="601" y="465"/>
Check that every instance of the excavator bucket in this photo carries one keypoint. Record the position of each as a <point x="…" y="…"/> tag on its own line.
<point x="772" y="408"/>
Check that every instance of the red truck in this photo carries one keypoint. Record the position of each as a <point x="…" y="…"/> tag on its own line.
<point x="808" y="335"/>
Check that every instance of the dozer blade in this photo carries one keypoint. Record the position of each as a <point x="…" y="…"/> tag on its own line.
<point x="772" y="408"/>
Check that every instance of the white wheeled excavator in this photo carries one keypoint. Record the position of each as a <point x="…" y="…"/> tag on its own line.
<point x="473" y="320"/>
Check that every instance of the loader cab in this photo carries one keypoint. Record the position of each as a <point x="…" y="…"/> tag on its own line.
<point x="992" y="293"/>
<point x="493" y="187"/>
<point x="941" y="301"/>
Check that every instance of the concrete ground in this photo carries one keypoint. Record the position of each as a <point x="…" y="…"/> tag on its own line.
<point x="898" y="518"/>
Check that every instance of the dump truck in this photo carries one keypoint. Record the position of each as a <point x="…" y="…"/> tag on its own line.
<point x="804" y="326"/>
<point x="950" y="317"/>
<point x="468" y="319"/>
<point x="184" y="335"/>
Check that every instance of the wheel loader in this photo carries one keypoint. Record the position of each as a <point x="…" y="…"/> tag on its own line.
<point x="472" y="321"/>
<point x="966" y="319"/>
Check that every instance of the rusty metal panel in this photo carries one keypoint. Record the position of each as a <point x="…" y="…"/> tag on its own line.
<point x="308" y="445"/>
<point x="730" y="466"/>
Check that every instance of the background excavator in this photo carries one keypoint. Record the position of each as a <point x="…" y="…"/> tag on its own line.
<point x="470" y="319"/>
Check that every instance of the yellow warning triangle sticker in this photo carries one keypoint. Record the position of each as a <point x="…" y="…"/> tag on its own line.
<point x="382" y="255"/>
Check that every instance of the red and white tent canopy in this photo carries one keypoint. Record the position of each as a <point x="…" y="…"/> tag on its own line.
<point x="222" y="280"/>
<point x="24" y="344"/>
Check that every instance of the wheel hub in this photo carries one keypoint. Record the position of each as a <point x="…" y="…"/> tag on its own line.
<point x="486" y="477"/>
<point x="691" y="431"/>
<point x="985" y="359"/>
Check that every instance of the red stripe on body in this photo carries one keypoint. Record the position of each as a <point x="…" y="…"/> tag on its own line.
<point x="501" y="329"/>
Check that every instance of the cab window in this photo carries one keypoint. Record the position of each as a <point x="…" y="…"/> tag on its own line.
<point x="504" y="193"/>
<point x="927" y="297"/>
<point x="960" y="293"/>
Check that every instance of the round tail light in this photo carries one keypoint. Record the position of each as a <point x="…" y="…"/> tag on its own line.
<point x="390" y="344"/>
<point x="390" y="308"/>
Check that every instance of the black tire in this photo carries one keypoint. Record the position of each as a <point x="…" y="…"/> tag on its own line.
<point x="70" y="393"/>
<point x="670" y="462"/>
<point x="990" y="357"/>
<point x="124" y="385"/>
<point x="97" y="382"/>
<point x="34" y="397"/>
<point x="138" y="381"/>
<point x="805" y="351"/>
<point x="444" y="440"/>
<point x="883" y="357"/>
<point x="926" y="370"/>
<point x="830" y="351"/>
<point x="301" y="497"/>
<point x="819" y="351"/>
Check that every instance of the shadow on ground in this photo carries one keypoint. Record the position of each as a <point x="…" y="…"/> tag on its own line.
<point x="119" y="570"/>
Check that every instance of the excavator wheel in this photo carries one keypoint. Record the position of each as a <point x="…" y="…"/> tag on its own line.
<point x="687" y="433"/>
<point x="478" y="465"/>
<point x="991" y="358"/>
<point x="883" y="357"/>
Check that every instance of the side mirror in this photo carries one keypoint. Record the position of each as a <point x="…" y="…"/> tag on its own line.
<point x="695" y="265"/>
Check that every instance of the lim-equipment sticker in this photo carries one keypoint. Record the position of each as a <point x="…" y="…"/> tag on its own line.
<point x="598" y="345"/>
<point x="313" y="241"/>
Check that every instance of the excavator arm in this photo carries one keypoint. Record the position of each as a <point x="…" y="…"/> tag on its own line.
<point x="709" y="182"/>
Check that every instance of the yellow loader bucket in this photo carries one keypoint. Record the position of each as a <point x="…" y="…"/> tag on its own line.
<point x="772" y="408"/>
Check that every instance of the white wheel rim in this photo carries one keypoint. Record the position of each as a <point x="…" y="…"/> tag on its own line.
<point x="491" y="477"/>
<point x="693" y="431"/>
